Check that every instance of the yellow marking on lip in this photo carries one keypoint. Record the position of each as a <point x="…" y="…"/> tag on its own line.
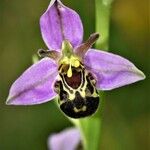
<point x="78" y="110"/>
<point x="83" y="93"/>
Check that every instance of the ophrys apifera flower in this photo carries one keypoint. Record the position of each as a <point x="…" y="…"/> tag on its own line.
<point x="69" y="69"/>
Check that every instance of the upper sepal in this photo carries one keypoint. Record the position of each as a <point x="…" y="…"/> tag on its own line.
<point x="60" y="23"/>
<point x="111" y="71"/>
<point x="35" y="85"/>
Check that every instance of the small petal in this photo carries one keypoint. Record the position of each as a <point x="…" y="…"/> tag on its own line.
<point x="35" y="85"/>
<point x="68" y="139"/>
<point x="80" y="50"/>
<point x="60" y="23"/>
<point x="112" y="71"/>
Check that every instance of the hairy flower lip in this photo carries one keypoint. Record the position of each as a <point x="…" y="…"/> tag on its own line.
<point x="111" y="71"/>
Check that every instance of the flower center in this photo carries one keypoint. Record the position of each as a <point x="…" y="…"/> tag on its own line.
<point x="68" y="59"/>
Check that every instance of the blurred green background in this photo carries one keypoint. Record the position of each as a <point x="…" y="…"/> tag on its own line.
<point x="126" y="113"/>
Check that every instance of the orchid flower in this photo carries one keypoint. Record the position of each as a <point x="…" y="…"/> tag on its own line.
<point x="70" y="69"/>
<point x="68" y="139"/>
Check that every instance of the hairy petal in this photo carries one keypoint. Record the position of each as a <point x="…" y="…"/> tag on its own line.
<point x="35" y="85"/>
<point x="60" y="23"/>
<point x="67" y="139"/>
<point x="112" y="71"/>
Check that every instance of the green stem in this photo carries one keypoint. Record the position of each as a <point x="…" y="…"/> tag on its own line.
<point x="102" y="8"/>
<point x="91" y="127"/>
<point x="102" y="13"/>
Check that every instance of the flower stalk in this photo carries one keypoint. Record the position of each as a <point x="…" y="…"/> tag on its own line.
<point x="91" y="127"/>
<point x="102" y="17"/>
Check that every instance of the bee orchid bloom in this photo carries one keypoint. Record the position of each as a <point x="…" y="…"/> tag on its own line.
<point x="68" y="139"/>
<point x="70" y="68"/>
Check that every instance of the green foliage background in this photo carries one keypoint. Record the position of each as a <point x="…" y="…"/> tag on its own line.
<point x="126" y="113"/>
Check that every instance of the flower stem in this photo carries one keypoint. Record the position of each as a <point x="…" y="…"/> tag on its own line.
<point x="91" y="127"/>
<point x="102" y="14"/>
